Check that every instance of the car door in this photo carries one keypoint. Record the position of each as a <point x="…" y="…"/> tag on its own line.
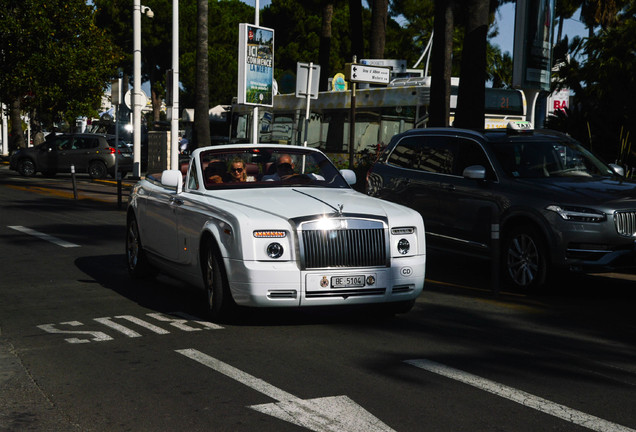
<point x="52" y="158"/>
<point x="467" y="204"/>
<point x="422" y="161"/>
<point x="84" y="149"/>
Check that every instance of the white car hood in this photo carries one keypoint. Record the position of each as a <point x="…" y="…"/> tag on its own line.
<point x="291" y="203"/>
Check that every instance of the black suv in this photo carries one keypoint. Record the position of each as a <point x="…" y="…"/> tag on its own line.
<point x="547" y="201"/>
<point x="87" y="153"/>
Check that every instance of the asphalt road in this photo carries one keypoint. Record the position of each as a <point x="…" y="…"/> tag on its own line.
<point x="84" y="348"/>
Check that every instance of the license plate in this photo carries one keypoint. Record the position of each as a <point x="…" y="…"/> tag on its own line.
<point x="347" y="281"/>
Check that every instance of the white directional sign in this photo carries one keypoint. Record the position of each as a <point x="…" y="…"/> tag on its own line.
<point x="369" y="74"/>
<point x="327" y="414"/>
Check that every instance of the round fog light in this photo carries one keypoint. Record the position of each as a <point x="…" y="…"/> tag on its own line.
<point x="403" y="246"/>
<point x="274" y="250"/>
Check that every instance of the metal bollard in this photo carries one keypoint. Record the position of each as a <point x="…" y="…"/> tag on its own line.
<point x="74" y="181"/>
<point x="495" y="256"/>
<point x="118" y="190"/>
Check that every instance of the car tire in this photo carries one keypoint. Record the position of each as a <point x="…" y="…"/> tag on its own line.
<point x="137" y="262"/>
<point x="26" y="167"/>
<point x="97" y="170"/>
<point x="219" y="302"/>
<point x="524" y="259"/>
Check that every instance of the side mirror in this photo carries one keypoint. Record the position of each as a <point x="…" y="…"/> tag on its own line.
<point x="475" y="172"/>
<point x="172" y="178"/>
<point x="349" y="176"/>
<point x="618" y="169"/>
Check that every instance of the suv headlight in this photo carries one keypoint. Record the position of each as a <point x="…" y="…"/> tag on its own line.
<point x="577" y="214"/>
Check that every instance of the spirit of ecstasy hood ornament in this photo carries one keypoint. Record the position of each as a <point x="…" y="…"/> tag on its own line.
<point x="339" y="210"/>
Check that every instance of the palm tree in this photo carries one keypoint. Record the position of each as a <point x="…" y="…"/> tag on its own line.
<point x="379" y="15"/>
<point x="443" y="26"/>
<point x="325" y="43"/>
<point x="202" y="103"/>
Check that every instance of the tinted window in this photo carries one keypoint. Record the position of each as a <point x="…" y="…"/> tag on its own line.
<point x="434" y="154"/>
<point x="83" y="143"/>
<point x="532" y="159"/>
<point x="471" y="153"/>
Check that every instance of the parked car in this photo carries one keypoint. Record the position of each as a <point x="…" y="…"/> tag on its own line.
<point x="302" y="237"/>
<point x="545" y="200"/>
<point x="88" y="153"/>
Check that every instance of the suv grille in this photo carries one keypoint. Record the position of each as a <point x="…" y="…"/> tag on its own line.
<point x="354" y="243"/>
<point x="625" y="222"/>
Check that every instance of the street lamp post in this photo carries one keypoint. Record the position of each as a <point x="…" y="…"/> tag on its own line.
<point x="138" y="9"/>
<point x="174" y="120"/>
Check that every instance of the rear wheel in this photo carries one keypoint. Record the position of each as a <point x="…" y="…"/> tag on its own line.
<point x="219" y="299"/>
<point x="138" y="265"/>
<point x="97" y="170"/>
<point x="26" y="167"/>
<point x="524" y="259"/>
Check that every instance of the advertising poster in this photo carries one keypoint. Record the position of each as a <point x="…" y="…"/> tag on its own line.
<point x="533" y="44"/>
<point x="256" y="65"/>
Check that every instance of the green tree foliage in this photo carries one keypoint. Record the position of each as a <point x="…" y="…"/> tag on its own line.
<point x="604" y="107"/>
<point x="55" y="59"/>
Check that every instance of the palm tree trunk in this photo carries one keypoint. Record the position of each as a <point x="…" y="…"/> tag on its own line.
<point x="325" y="44"/>
<point x="201" y="136"/>
<point x="17" y="136"/>
<point x="443" y="25"/>
<point x="355" y="22"/>
<point x="379" y="15"/>
<point x="470" y="112"/>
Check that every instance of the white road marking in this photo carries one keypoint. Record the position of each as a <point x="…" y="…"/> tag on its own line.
<point x="181" y="323"/>
<point x="107" y="321"/>
<point x="143" y="324"/>
<point x="561" y="411"/>
<point x="97" y="335"/>
<point x="43" y="236"/>
<point x="328" y="414"/>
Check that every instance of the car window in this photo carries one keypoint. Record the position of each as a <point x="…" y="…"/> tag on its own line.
<point x="61" y="143"/>
<point x="435" y="154"/>
<point x="193" y="176"/>
<point x="84" y="143"/>
<point x="268" y="167"/>
<point x="471" y="153"/>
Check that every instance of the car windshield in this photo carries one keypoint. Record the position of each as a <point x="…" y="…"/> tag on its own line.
<point x="542" y="159"/>
<point x="268" y="167"/>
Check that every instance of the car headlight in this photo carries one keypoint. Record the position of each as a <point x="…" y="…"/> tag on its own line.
<point x="577" y="214"/>
<point x="403" y="246"/>
<point x="275" y="250"/>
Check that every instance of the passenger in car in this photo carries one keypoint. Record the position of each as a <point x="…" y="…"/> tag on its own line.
<point x="214" y="172"/>
<point x="238" y="171"/>
<point x="284" y="168"/>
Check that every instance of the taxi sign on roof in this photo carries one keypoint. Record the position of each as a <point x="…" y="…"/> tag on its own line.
<point x="520" y="126"/>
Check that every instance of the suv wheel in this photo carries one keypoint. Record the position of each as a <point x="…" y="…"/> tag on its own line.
<point x="97" y="170"/>
<point x="524" y="258"/>
<point x="26" y="167"/>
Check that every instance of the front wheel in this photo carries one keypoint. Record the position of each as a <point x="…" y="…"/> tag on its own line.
<point x="97" y="170"/>
<point x="138" y="265"/>
<point x="26" y="167"/>
<point x="524" y="259"/>
<point x="219" y="299"/>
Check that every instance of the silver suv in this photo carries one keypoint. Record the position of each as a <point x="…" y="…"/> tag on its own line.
<point x="87" y="153"/>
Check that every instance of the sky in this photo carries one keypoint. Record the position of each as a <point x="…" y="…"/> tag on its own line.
<point x="505" y="18"/>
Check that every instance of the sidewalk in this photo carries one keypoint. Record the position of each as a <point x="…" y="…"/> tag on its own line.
<point x="61" y="186"/>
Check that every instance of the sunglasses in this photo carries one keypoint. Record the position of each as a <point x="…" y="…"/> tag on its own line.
<point x="237" y="170"/>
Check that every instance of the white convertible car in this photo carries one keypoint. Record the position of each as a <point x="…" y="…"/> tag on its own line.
<point x="273" y="225"/>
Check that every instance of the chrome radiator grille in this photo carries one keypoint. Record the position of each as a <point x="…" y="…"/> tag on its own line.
<point x="352" y="244"/>
<point x="625" y="222"/>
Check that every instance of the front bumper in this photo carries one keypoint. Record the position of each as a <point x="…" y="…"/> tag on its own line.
<point x="268" y="284"/>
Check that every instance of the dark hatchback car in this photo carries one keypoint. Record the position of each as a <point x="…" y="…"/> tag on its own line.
<point x="551" y="202"/>
<point x="88" y="153"/>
